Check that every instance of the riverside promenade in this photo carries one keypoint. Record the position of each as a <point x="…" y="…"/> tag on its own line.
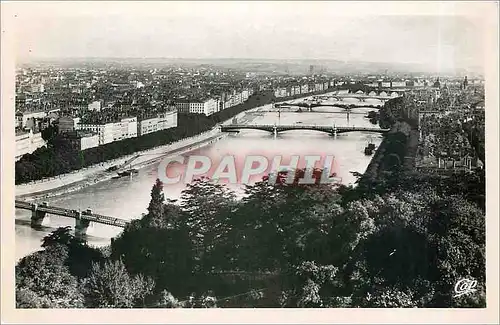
<point x="78" y="179"/>
<point x="88" y="176"/>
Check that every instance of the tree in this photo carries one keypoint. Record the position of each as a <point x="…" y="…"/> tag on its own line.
<point x="457" y="242"/>
<point x="111" y="286"/>
<point x="42" y="280"/>
<point x="155" y="208"/>
<point x="167" y="300"/>
<point x="80" y="256"/>
<point x="26" y="298"/>
<point x="207" y="208"/>
<point x="50" y="133"/>
<point x="311" y="285"/>
<point x="60" y="236"/>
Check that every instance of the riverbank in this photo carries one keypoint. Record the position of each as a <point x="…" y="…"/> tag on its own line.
<point x="79" y="179"/>
<point x="141" y="162"/>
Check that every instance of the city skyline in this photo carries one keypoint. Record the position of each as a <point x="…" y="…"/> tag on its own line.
<point x="189" y="31"/>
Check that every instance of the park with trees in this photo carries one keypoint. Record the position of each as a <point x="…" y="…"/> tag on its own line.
<point x="282" y="245"/>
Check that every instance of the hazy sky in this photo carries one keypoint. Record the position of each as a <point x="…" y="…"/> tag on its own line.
<point x="280" y="30"/>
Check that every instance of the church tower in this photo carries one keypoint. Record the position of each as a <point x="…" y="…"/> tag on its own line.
<point x="437" y="84"/>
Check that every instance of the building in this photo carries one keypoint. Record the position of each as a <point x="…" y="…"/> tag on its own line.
<point x="125" y="128"/>
<point x="68" y="123"/>
<point x="105" y="131"/>
<point x="437" y="84"/>
<point x="203" y="106"/>
<point x="245" y="94"/>
<point x="162" y="121"/>
<point x="37" y="88"/>
<point x="82" y="139"/>
<point x="182" y="107"/>
<point x="27" y="142"/>
<point x="145" y="126"/>
<point x="398" y="83"/>
<point x="280" y="92"/>
<point x="233" y="99"/>
<point x="24" y="117"/>
<point x="465" y="83"/>
<point x="18" y="122"/>
<point x="167" y="120"/>
<point x="96" y="105"/>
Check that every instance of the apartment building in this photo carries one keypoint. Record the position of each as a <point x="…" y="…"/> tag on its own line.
<point x="167" y="120"/>
<point x="148" y="125"/>
<point x="37" y="88"/>
<point x="105" y="131"/>
<point x="200" y="106"/>
<point x="82" y="139"/>
<point x="68" y="123"/>
<point x="245" y="94"/>
<point x="27" y="142"/>
<point x="162" y="121"/>
<point x="26" y="117"/>
<point x="96" y="105"/>
<point x="280" y="92"/>
<point x="125" y="128"/>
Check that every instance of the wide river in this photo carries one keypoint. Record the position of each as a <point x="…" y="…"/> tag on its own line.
<point x="128" y="198"/>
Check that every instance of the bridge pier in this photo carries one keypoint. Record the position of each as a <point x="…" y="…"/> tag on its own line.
<point x="275" y="132"/>
<point x="37" y="216"/>
<point x="81" y="226"/>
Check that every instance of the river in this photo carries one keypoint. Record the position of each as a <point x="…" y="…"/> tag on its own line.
<point x="128" y="198"/>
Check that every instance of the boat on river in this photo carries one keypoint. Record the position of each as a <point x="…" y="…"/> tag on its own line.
<point x="112" y="168"/>
<point x="369" y="149"/>
<point x="128" y="172"/>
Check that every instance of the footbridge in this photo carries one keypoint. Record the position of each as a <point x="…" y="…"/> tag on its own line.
<point x="82" y="218"/>
<point x="275" y="129"/>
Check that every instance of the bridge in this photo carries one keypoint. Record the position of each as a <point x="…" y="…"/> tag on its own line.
<point x="275" y="129"/>
<point x="339" y="97"/>
<point x="382" y="95"/>
<point x="82" y="218"/>
<point x="292" y="110"/>
<point x="360" y="96"/>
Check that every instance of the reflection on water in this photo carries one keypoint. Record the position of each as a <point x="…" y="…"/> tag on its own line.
<point x="128" y="198"/>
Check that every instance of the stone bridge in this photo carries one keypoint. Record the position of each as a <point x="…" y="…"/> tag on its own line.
<point x="275" y="129"/>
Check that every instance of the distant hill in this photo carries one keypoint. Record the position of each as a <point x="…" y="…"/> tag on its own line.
<point x="290" y="66"/>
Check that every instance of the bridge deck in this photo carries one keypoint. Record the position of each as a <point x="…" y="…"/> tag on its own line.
<point x="94" y="217"/>
<point x="279" y="128"/>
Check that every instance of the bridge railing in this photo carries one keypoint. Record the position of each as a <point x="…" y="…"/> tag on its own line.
<point x="75" y="214"/>
<point x="294" y="126"/>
